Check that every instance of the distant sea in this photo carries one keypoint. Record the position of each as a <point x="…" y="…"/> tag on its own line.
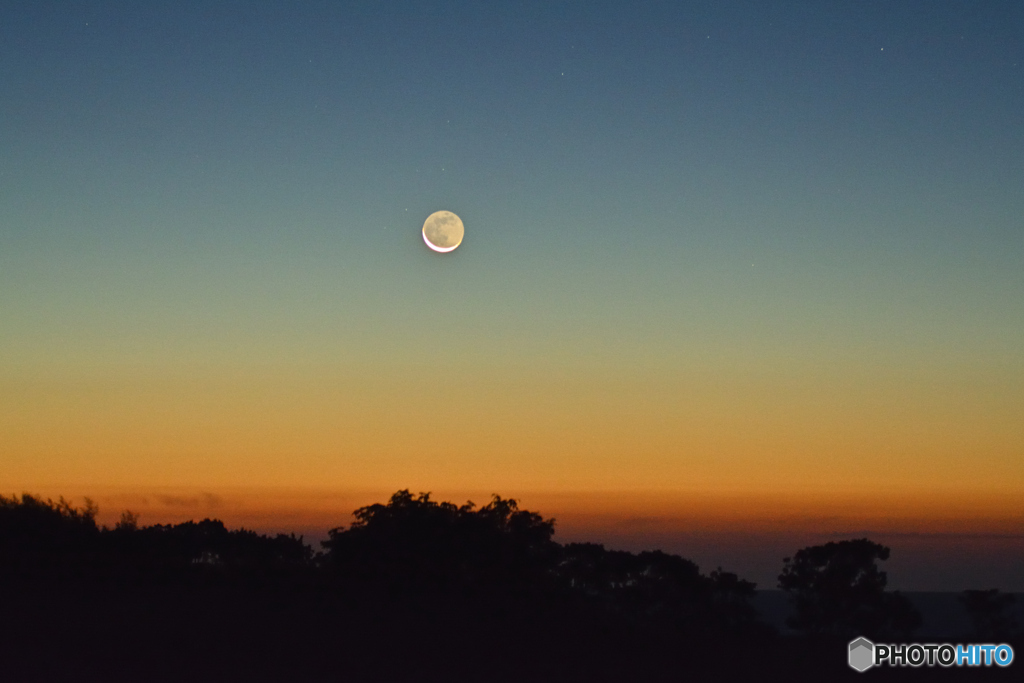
<point x="942" y="614"/>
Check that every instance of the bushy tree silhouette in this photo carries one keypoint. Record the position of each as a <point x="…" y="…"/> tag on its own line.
<point x="990" y="614"/>
<point x="657" y="586"/>
<point x="205" y="546"/>
<point x="732" y="598"/>
<point x="838" y="590"/>
<point x="416" y="541"/>
<point x="40" y="537"/>
<point x="410" y="584"/>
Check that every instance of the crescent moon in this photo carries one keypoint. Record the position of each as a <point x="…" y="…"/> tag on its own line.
<point x="443" y="231"/>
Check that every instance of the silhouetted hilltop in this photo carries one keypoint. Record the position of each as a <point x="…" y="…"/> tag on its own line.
<point x="416" y="589"/>
<point x="46" y="540"/>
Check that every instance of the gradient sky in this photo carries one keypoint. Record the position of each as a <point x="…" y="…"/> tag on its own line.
<point x="759" y="251"/>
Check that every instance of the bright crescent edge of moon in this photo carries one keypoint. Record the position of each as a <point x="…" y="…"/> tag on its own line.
<point x="443" y="250"/>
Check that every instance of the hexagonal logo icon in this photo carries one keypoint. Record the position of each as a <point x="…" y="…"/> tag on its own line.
<point x="862" y="654"/>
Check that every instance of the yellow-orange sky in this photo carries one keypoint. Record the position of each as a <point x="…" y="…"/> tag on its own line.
<point x="742" y="444"/>
<point x="788" y="431"/>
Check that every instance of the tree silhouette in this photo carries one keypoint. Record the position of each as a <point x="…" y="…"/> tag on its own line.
<point x="413" y="540"/>
<point x="411" y="585"/>
<point x="199" y="546"/>
<point x="838" y="590"/>
<point x="732" y="597"/>
<point x="657" y="587"/>
<point x="43" y="540"/>
<point x="39" y="537"/>
<point x="990" y="613"/>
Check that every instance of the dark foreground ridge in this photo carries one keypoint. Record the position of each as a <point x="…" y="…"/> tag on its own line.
<point x="416" y="590"/>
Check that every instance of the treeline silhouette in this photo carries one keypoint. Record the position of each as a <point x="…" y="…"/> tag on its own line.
<point x="416" y="589"/>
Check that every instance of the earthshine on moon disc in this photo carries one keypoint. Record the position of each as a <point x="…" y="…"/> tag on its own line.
<point x="443" y="231"/>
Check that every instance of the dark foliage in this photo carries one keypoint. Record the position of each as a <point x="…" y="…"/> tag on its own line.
<point x="413" y="589"/>
<point x="658" y="587"/>
<point x="207" y="543"/>
<point x="838" y="590"/>
<point x="415" y="542"/>
<point x="990" y="614"/>
<point x="42" y="540"/>
<point x="42" y="537"/>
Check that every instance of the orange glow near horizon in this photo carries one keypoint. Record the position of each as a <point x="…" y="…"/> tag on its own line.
<point x="756" y="435"/>
<point x="306" y="510"/>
